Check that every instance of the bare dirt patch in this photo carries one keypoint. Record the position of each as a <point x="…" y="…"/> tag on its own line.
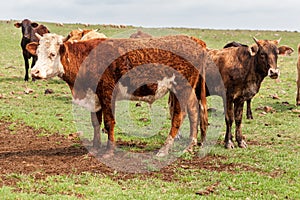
<point x="24" y="151"/>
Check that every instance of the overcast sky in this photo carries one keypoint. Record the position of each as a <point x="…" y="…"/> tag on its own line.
<point x="215" y="14"/>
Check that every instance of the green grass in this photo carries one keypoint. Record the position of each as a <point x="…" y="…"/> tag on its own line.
<point x="267" y="169"/>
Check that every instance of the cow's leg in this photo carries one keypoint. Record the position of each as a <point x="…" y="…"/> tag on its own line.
<point x="108" y="107"/>
<point x="229" y="120"/>
<point x="109" y="124"/>
<point x="238" y="115"/>
<point x="96" y="122"/>
<point x="194" y="113"/>
<point x="26" y="67"/>
<point x="249" y="111"/>
<point x="203" y="114"/>
<point x="177" y="118"/>
<point x="298" y="85"/>
<point x="34" y="59"/>
<point x="298" y="93"/>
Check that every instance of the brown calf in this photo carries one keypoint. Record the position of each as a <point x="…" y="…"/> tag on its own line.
<point x="243" y="69"/>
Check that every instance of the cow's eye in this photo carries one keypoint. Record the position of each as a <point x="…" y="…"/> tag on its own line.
<point x="51" y="55"/>
<point x="262" y="55"/>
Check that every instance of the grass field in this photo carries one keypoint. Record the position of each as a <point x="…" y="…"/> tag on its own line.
<point x="267" y="169"/>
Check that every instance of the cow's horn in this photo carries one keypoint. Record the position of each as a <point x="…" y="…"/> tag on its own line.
<point x="255" y="40"/>
<point x="279" y="40"/>
<point x="38" y="36"/>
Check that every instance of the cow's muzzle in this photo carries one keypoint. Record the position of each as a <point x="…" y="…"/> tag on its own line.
<point x="273" y="73"/>
<point x="35" y="73"/>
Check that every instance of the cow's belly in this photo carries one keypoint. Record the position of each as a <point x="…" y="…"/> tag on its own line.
<point x="163" y="86"/>
<point x="124" y="95"/>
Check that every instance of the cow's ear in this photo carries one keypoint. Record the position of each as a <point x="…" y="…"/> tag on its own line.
<point x="285" y="50"/>
<point x="31" y="47"/>
<point x="253" y="50"/>
<point x="34" y="24"/>
<point x="17" y="24"/>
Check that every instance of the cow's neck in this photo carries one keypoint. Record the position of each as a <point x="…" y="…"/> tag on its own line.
<point x="257" y="74"/>
<point x="72" y="55"/>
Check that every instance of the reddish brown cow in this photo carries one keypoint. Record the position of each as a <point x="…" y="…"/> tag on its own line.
<point x="28" y="31"/>
<point x="243" y="69"/>
<point x="298" y="80"/>
<point x="113" y="72"/>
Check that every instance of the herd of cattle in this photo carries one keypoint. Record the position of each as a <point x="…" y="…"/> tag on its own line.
<point x="101" y="70"/>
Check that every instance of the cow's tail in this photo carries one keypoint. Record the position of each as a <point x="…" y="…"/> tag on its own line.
<point x="298" y="63"/>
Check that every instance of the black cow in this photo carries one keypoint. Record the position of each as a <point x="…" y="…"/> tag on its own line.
<point x="28" y="31"/>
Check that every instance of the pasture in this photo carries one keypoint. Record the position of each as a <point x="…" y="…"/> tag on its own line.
<point x="41" y="156"/>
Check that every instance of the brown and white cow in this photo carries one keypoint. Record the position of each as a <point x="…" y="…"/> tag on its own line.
<point x="29" y="29"/>
<point x="95" y="71"/>
<point x="298" y="80"/>
<point x="243" y="69"/>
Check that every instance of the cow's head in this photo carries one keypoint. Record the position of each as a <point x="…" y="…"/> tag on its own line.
<point x="48" y="64"/>
<point x="27" y="27"/>
<point x="266" y="53"/>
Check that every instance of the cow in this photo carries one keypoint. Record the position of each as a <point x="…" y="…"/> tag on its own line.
<point x="29" y="29"/>
<point x="140" y="34"/>
<point x="298" y="80"/>
<point x="243" y="69"/>
<point x="215" y="87"/>
<point x="85" y="34"/>
<point x="177" y="62"/>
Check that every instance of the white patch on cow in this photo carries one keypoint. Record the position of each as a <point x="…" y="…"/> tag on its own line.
<point x="164" y="84"/>
<point x="163" y="87"/>
<point x="90" y="101"/>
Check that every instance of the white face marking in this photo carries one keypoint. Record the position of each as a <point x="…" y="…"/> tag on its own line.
<point x="163" y="87"/>
<point x="90" y="101"/>
<point x="48" y="64"/>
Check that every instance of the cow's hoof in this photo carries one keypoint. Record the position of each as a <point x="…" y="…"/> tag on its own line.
<point x="178" y="136"/>
<point x="243" y="144"/>
<point x="164" y="151"/>
<point x="96" y="145"/>
<point x="190" y="147"/>
<point x="229" y="145"/>
<point x="249" y="117"/>
<point x="93" y="151"/>
<point x="108" y="154"/>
